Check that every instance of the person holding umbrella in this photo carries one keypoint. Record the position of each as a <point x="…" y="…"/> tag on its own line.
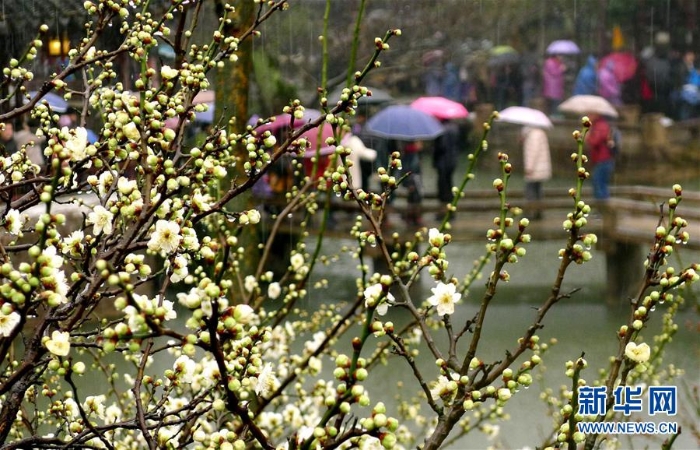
<point x="404" y="128"/>
<point x="537" y="163"/>
<point x="601" y="156"/>
<point x="553" y="81"/>
<point x="587" y="79"/>
<point x="445" y="157"/>
<point x="447" y="145"/>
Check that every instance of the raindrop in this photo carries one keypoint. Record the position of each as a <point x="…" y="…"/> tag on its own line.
<point x="337" y="194"/>
<point x="290" y="215"/>
<point x="653" y="308"/>
<point x="373" y="244"/>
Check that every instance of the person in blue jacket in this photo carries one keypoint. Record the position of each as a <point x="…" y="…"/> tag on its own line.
<point x="587" y="79"/>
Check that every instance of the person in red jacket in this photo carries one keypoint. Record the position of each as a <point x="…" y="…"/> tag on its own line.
<point x="600" y="156"/>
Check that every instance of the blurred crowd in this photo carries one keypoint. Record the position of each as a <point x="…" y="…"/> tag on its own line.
<point x="658" y="79"/>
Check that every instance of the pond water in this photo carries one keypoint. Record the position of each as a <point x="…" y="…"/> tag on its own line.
<point x="583" y="323"/>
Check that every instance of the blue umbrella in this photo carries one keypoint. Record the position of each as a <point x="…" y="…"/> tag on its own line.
<point x="56" y="102"/>
<point x="404" y="123"/>
<point x="205" y="116"/>
<point x="92" y="136"/>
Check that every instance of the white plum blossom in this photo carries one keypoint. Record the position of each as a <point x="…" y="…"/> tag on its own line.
<point x="312" y="345"/>
<point x="135" y="320"/>
<point x="53" y="278"/>
<point x="59" y="343"/>
<point x="444" y="297"/>
<point x="207" y="307"/>
<point x="113" y="414"/>
<point x="201" y="202"/>
<point x="370" y="443"/>
<point x="436" y="238"/>
<point x="638" y="353"/>
<point x="101" y="220"/>
<point x="192" y="299"/>
<point x="267" y="382"/>
<point x="491" y="431"/>
<point x="9" y="322"/>
<point x="131" y="131"/>
<point x="445" y="387"/>
<point x="168" y="73"/>
<point x="95" y="404"/>
<point x="13" y="222"/>
<point x="504" y="394"/>
<point x="210" y="374"/>
<point x="169" y="308"/>
<point x="126" y="186"/>
<point x="104" y="183"/>
<point x="54" y="260"/>
<point x="73" y="244"/>
<point x="58" y="283"/>
<point x="166" y="237"/>
<point x="189" y="239"/>
<point x="180" y="270"/>
<point x="254" y="216"/>
<point x="250" y="283"/>
<point x="274" y="290"/>
<point x="374" y="294"/>
<point x="243" y="314"/>
<point x="77" y="143"/>
<point x="70" y="408"/>
<point x="297" y="261"/>
<point x="185" y="367"/>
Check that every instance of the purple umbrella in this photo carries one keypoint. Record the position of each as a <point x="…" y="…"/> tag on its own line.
<point x="404" y="123"/>
<point x="563" y="47"/>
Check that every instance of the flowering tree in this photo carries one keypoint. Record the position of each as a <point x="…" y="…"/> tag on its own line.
<point x="124" y="250"/>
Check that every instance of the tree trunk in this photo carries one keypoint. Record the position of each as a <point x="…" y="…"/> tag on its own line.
<point x="232" y="84"/>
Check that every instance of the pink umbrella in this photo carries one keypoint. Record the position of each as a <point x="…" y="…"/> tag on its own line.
<point x="285" y="120"/>
<point x="204" y="97"/>
<point x="440" y="107"/>
<point x="624" y="65"/>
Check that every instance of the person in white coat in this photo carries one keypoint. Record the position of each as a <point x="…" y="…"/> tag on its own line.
<point x="359" y="153"/>
<point x="537" y="164"/>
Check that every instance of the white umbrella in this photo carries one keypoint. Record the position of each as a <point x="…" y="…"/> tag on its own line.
<point x="525" y="116"/>
<point x="588" y="104"/>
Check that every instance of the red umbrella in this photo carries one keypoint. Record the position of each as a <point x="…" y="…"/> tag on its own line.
<point x="624" y="65"/>
<point x="312" y="137"/>
<point x="440" y="107"/>
<point x="325" y="151"/>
